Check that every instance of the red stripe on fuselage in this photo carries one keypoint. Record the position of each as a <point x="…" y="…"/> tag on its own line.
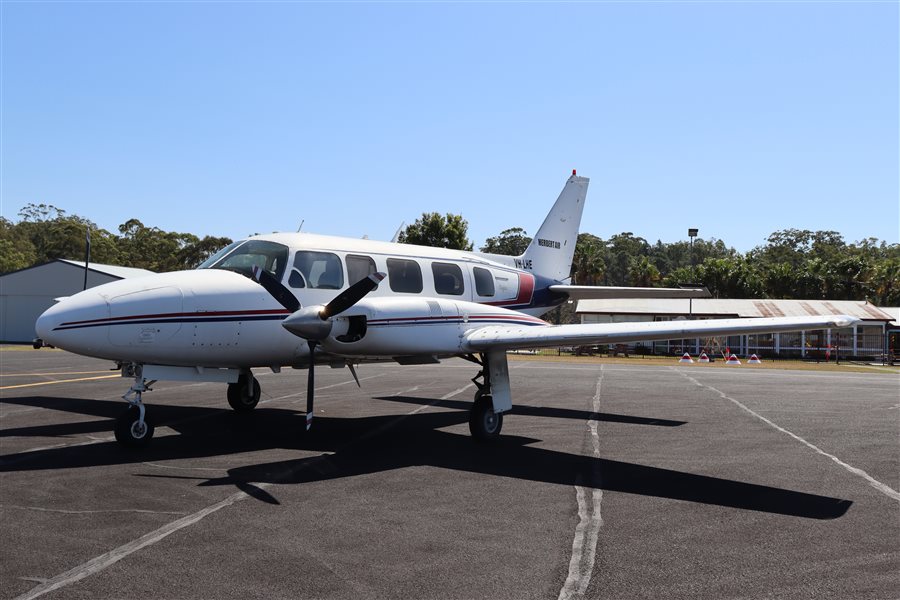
<point x="526" y="292"/>
<point x="223" y="313"/>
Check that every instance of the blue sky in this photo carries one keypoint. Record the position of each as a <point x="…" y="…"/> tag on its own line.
<point x="739" y="118"/>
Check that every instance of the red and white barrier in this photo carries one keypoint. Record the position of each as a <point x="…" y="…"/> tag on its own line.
<point x="754" y="360"/>
<point x="703" y="358"/>
<point x="732" y="360"/>
<point x="686" y="359"/>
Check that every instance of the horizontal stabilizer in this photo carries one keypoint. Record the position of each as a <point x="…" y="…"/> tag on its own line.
<point x="592" y="292"/>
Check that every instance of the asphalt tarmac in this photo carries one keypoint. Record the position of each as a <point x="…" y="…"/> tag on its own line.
<point x="610" y="481"/>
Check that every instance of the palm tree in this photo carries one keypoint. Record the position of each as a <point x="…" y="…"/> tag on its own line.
<point x="642" y="272"/>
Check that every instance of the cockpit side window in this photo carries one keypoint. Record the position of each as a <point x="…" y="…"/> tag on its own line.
<point x="320" y="270"/>
<point x="243" y="256"/>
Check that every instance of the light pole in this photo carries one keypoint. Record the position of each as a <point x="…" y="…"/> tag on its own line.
<point x="692" y="233"/>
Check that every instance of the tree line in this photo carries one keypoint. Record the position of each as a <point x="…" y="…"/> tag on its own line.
<point x="45" y="233"/>
<point x="793" y="263"/>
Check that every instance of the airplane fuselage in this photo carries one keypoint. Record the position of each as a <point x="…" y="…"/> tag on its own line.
<point x="217" y="316"/>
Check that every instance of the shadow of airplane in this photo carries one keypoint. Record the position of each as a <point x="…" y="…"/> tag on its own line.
<point x="375" y="444"/>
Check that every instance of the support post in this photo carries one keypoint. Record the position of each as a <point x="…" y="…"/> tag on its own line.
<point x="499" y="377"/>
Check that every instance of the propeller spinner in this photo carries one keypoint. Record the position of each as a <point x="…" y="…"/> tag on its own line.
<point x="313" y="323"/>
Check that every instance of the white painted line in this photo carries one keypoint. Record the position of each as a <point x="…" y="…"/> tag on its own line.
<point x="587" y="532"/>
<point x="457" y="392"/>
<point x="884" y="489"/>
<point x="92" y="512"/>
<point x="103" y="561"/>
<point x="99" y="563"/>
<point x="319" y="389"/>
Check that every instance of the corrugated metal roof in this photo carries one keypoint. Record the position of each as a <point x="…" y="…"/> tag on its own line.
<point x="894" y="311"/>
<point x="714" y="307"/>
<point x="112" y="270"/>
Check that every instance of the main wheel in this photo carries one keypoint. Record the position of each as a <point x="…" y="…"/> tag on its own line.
<point x="239" y="396"/>
<point x="484" y="423"/>
<point x="130" y="431"/>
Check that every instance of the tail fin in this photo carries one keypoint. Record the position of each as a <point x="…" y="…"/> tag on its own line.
<point x="553" y="247"/>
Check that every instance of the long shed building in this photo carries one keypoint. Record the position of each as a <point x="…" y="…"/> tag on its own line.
<point x="25" y="294"/>
<point x="865" y="339"/>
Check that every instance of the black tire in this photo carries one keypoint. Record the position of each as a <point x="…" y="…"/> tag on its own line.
<point x="128" y="431"/>
<point x="238" y="396"/>
<point x="484" y="423"/>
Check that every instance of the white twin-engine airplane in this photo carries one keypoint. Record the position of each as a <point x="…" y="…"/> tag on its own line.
<point x="296" y="299"/>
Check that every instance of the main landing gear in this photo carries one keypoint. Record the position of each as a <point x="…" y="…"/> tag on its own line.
<point x="243" y="395"/>
<point x="492" y="398"/>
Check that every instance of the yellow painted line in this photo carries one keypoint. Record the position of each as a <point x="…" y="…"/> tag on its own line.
<point x="38" y="374"/>
<point x="25" y="385"/>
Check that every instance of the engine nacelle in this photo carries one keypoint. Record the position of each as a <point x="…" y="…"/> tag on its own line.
<point x="410" y="326"/>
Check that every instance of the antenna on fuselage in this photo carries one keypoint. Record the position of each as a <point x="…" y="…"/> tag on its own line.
<point x="302" y="221"/>
<point x="87" y="255"/>
<point x="397" y="233"/>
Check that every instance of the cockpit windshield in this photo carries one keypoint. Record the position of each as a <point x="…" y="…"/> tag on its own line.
<point x="244" y="255"/>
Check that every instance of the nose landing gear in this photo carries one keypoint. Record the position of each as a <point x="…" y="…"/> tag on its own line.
<point x="132" y="428"/>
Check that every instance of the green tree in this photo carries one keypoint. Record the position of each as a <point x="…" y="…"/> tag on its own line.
<point x="886" y="282"/>
<point x="642" y="272"/>
<point x="622" y="248"/>
<point x="511" y="242"/>
<point x="53" y="234"/>
<point x="192" y="254"/>
<point x="432" y="229"/>
<point x="588" y="263"/>
<point x="730" y="278"/>
<point x="16" y="250"/>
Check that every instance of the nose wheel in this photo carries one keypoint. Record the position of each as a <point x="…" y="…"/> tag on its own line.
<point x="132" y="430"/>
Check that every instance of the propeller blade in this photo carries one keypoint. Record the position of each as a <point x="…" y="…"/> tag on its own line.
<point x="355" y="376"/>
<point x="351" y="295"/>
<point x="276" y="289"/>
<point x="310" y="384"/>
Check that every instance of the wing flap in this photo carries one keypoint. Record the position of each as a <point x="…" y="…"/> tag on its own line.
<point x="513" y="337"/>
<point x="600" y="292"/>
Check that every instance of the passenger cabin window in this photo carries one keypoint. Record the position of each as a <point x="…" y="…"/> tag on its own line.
<point x="448" y="278"/>
<point x="359" y="267"/>
<point x="484" y="282"/>
<point x="243" y="256"/>
<point x="404" y="275"/>
<point x="317" y="270"/>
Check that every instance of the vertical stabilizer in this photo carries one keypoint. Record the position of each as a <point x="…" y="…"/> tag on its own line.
<point x="552" y="249"/>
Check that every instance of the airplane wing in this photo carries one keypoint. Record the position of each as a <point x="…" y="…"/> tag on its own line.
<point x="497" y="337"/>
<point x="585" y="292"/>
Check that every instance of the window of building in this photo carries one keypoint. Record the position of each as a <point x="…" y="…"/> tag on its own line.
<point x="448" y="278"/>
<point x="320" y="270"/>
<point x="484" y="282"/>
<point x="359" y="267"/>
<point x="404" y="275"/>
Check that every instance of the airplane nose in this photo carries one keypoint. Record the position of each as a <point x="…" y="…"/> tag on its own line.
<point x="58" y="324"/>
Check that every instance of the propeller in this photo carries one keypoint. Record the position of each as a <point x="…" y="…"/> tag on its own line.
<point x="275" y="288"/>
<point x="313" y="323"/>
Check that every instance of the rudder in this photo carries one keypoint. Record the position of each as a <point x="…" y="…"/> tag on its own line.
<point x="551" y="251"/>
